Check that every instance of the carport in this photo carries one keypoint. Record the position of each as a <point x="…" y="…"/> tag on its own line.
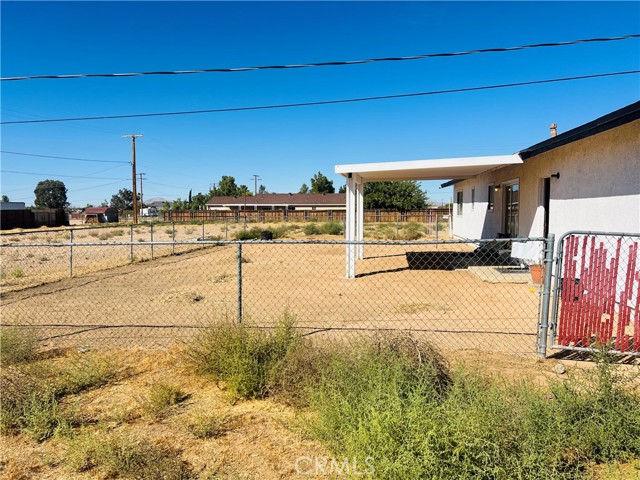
<point x="439" y="169"/>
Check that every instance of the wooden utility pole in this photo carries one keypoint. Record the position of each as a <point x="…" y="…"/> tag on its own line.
<point x="133" y="174"/>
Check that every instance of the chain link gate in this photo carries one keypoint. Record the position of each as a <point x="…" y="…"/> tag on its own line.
<point x="596" y="293"/>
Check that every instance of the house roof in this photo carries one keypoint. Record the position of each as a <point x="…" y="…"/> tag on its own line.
<point x="602" y="124"/>
<point x="611" y="120"/>
<point x="282" y="199"/>
<point x="439" y="169"/>
<point x="97" y="209"/>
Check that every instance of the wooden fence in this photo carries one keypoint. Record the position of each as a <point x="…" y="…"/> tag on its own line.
<point x="391" y="216"/>
<point x="46" y="217"/>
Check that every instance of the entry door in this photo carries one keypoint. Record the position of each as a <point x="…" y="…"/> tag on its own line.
<point x="511" y="209"/>
<point x="546" y="201"/>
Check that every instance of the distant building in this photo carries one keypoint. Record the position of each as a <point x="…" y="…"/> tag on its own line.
<point x="279" y="201"/>
<point x="100" y="215"/>
<point x="12" y="206"/>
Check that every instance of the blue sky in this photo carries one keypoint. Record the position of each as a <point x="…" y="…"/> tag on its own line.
<point x="286" y="147"/>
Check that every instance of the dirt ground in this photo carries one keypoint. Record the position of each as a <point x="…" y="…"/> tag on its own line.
<point x="168" y="298"/>
<point x="259" y="439"/>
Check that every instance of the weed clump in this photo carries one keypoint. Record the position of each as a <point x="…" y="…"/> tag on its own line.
<point x="161" y="398"/>
<point x="126" y="455"/>
<point x="247" y="359"/>
<point x="18" y="344"/>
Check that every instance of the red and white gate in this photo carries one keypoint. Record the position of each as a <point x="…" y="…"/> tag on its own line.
<point x="596" y="293"/>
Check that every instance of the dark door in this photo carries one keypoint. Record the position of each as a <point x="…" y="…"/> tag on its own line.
<point x="546" y="200"/>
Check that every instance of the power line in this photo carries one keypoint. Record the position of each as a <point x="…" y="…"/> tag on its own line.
<point x="325" y="64"/>
<point x="62" y="158"/>
<point x="325" y="102"/>
<point x="58" y="175"/>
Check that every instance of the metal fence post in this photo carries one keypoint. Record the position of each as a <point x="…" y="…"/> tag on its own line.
<point x="131" y="243"/>
<point x="546" y="296"/>
<point x="173" y="238"/>
<point x="203" y="232"/>
<point x="226" y="228"/>
<point x="151" y="239"/>
<point x="239" y="282"/>
<point x="71" y="253"/>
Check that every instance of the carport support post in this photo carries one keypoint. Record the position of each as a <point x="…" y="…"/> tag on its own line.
<point x="546" y="296"/>
<point x="350" y="227"/>
<point x="360" y="217"/>
<point x="239" y="282"/>
<point x="71" y="253"/>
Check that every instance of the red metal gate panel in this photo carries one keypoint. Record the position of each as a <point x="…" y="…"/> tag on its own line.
<point x="599" y="302"/>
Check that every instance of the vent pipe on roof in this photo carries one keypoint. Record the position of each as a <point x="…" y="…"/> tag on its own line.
<point x="553" y="129"/>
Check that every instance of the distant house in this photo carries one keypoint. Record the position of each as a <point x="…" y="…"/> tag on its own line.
<point x="100" y="215"/>
<point x="12" y="206"/>
<point x="279" y="201"/>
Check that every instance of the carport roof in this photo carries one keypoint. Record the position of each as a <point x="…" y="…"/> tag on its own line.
<point x="438" y="169"/>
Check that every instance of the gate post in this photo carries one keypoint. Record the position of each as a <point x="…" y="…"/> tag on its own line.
<point x="239" y="282"/>
<point x="543" y="331"/>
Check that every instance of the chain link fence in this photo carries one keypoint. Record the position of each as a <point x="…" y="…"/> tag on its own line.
<point x="461" y="295"/>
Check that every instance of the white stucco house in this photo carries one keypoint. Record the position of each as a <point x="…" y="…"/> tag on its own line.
<point x="587" y="178"/>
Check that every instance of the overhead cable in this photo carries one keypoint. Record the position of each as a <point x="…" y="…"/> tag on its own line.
<point x="325" y="102"/>
<point x="322" y="64"/>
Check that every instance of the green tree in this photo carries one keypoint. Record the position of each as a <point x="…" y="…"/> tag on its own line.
<point x="227" y="188"/>
<point x="400" y="196"/>
<point x="51" y="194"/>
<point x="321" y="184"/>
<point x="304" y="188"/>
<point x="123" y="200"/>
<point x="199" y="201"/>
<point x="5" y="199"/>
<point x="262" y="189"/>
<point x="342" y="189"/>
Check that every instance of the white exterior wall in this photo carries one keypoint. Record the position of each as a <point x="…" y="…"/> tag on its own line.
<point x="598" y="189"/>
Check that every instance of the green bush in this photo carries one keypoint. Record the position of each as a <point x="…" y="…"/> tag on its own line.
<point x="414" y="420"/>
<point x="161" y="398"/>
<point x="251" y="234"/>
<point x="311" y="229"/>
<point x="332" y="228"/>
<point x="18" y="344"/>
<point x="247" y="359"/>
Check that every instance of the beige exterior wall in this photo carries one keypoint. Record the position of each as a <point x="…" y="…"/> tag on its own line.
<point x="598" y="189"/>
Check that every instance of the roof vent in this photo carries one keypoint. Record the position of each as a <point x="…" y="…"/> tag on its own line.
<point x="553" y="129"/>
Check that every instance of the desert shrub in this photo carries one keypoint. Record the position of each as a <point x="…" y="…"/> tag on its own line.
<point x="94" y="233"/>
<point x="412" y="231"/>
<point x="401" y="409"/>
<point x="251" y="234"/>
<point x="104" y="236"/>
<point x="80" y="372"/>
<point x="117" y="233"/>
<point x="29" y="406"/>
<point x="17" y="273"/>
<point x="18" y="344"/>
<point x="279" y="232"/>
<point x="161" y="398"/>
<point x="125" y="454"/>
<point x="168" y="231"/>
<point x="311" y="229"/>
<point x="332" y="228"/>
<point x="246" y="359"/>
<point x="205" y="424"/>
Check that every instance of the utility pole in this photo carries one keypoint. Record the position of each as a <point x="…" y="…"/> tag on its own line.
<point x="141" y="196"/>
<point x="255" y="183"/>
<point x="133" y="173"/>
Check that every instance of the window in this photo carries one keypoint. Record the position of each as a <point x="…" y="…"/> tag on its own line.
<point x="473" y="198"/>
<point x="490" y="196"/>
<point x="459" y="202"/>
